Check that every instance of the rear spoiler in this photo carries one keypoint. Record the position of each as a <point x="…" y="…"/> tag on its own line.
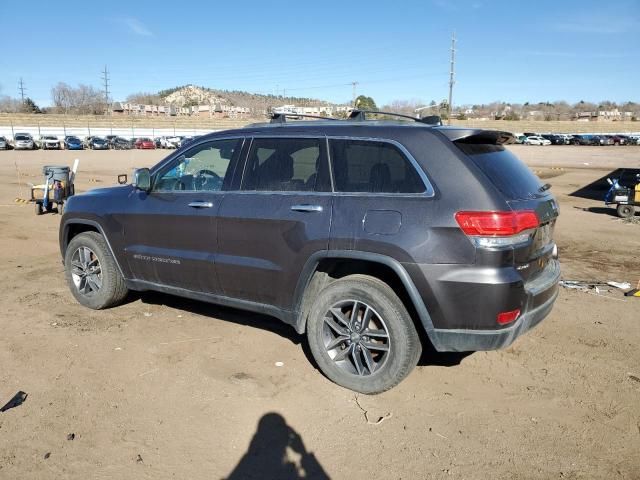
<point x="474" y="136"/>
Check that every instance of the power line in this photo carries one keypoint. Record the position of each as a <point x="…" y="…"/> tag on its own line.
<point x="105" y="79"/>
<point x="21" y="88"/>
<point x="452" y="73"/>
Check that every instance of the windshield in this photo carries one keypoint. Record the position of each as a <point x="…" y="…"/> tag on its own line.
<point x="506" y="171"/>
<point x="22" y="137"/>
<point x="73" y="139"/>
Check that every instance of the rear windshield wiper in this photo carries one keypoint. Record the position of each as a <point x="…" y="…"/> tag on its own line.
<point x="544" y="187"/>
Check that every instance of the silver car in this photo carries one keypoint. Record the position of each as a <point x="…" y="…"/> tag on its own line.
<point x="49" y="142"/>
<point x="23" y="141"/>
<point x="4" y="144"/>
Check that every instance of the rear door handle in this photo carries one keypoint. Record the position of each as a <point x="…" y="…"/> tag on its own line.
<point x="201" y="204"/>
<point x="306" y="208"/>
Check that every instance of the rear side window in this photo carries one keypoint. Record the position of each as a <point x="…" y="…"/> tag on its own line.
<point x="372" y="167"/>
<point x="287" y="165"/>
<point x="506" y="171"/>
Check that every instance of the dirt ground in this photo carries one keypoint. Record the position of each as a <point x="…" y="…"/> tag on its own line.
<point x="169" y="388"/>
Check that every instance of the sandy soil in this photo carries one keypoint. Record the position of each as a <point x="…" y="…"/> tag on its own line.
<point x="169" y="388"/>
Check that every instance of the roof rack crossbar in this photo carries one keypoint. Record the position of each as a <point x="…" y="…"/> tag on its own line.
<point x="282" y="117"/>
<point x="360" y="115"/>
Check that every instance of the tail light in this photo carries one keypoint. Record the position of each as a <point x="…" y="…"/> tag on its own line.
<point x="498" y="229"/>
<point x="507" y="317"/>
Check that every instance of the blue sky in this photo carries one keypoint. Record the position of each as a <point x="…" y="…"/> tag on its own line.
<point x="512" y="51"/>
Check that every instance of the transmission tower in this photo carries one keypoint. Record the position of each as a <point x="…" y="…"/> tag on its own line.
<point x="105" y="80"/>
<point x="354" y="85"/>
<point x="21" y="89"/>
<point x="452" y="74"/>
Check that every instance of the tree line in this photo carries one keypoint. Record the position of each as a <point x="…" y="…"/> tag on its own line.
<point x="87" y="100"/>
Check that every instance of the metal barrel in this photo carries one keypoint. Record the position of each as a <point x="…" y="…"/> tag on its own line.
<point x="60" y="173"/>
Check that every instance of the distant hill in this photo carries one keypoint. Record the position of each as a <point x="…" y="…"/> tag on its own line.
<point x="191" y="95"/>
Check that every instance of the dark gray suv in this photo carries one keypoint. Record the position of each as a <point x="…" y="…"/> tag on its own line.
<point x="370" y="236"/>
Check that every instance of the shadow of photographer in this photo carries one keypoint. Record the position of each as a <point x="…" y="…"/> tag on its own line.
<point x="276" y="451"/>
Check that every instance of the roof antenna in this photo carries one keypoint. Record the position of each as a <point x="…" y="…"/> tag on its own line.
<point x="278" y="118"/>
<point x="357" y="115"/>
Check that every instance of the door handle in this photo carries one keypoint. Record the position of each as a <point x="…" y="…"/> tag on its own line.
<point x="201" y="204"/>
<point x="306" y="208"/>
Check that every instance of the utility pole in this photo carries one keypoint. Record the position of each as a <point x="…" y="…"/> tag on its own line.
<point x="354" y="85"/>
<point x="105" y="79"/>
<point x="452" y="74"/>
<point x="21" y="88"/>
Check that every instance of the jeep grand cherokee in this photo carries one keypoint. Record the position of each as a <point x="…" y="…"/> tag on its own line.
<point x="358" y="233"/>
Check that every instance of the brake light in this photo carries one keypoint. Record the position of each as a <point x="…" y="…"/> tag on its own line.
<point x="508" y="317"/>
<point x="496" y="224"/>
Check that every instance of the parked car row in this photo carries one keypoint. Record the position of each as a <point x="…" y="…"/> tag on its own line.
<point x="25" y="141"/>
<point x="530" y="138"/>
<point x="175" y="141"/>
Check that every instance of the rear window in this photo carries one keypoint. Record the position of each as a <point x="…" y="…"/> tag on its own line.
<point x="286" y="164"/>
<point x="372" y="167"/>
<point x="506" y="171"/>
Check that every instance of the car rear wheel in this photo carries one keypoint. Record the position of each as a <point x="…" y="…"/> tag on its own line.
<point x="361" y="335"/>
<point x="91" y="272"/>
<point x="626" y="211"/>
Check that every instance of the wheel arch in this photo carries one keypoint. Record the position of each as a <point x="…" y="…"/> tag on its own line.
<point x="75" y="227"/>
<point x="325" y="267"/>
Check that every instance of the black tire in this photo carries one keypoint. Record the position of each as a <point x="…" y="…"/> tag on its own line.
<point x="388" y="315"/>
<point x="38" y="209"/>
<point x="626" y="211"/>
<point x="112" y="290"/>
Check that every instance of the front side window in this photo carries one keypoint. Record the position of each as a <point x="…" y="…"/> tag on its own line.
<point x="286" y="164"/>
<point x="369" y="166"/>
<point x="202" y="168"/>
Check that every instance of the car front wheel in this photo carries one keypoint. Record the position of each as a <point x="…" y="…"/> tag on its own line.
<point x="91" y="272"/>
<point x="361" y="335"/>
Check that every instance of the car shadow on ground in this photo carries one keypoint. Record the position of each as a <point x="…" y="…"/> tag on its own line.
<point x="600" y="210"/>
<point x="430" y="356"/>
<point x="227" y="314"/>
<point x="277" y="451"/>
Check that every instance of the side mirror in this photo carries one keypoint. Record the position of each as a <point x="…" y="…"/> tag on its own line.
<point x="142" y="179"/>
<point x="122" y="178"/>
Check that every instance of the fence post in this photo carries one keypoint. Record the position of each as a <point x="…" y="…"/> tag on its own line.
<point x="13" y="135"/>
<point x="39" y="134"/>
<point x="64" y="129"/>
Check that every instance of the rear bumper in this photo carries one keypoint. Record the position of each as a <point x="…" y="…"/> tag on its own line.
<point x="541" y="294"/>
<point x="460" y="340"/>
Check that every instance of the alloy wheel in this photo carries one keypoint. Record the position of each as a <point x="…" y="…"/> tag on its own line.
<point x="86" y="271"/>
<point x="355" y="337"/>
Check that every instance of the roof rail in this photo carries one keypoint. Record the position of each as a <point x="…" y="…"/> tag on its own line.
<point x="282" y="117"/>
<point x="360" y="116"/>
